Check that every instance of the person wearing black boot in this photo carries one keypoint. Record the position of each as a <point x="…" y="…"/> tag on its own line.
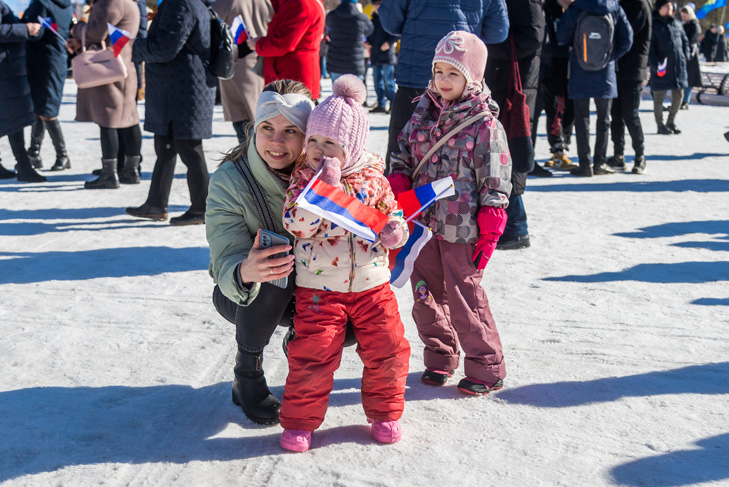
<point x="15" y="99"/>
<point x="180" y="95"/>
<point x="592" y="72"/>
<point x="47" y="68"/>
<point x="112" y="106"/>
<point x="247" y="194"/>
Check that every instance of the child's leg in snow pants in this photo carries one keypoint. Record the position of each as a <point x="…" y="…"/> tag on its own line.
<point x="320" y="323"/>
<point x="450" y="308"/>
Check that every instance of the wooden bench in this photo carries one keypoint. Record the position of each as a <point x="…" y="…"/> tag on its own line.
<point x="716" y="86"/>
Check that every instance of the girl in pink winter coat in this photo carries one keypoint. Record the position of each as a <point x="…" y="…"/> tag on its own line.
<point x="341" y="277"/>
<point x="451" y="307"/>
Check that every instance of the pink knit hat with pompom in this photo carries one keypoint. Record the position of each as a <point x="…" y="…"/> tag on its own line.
<point x="342" y="118"/>
<point x="466" y="52"/>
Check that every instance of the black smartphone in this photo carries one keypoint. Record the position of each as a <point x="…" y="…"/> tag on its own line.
<point x="268" y="240"/>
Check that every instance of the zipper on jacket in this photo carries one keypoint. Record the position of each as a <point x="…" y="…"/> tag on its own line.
<point x="348" y="190"/>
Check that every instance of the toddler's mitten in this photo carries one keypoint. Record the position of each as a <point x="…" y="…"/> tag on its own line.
<point x="399" y="183"/>
<point x="491" y="223"/>
<point x="331" y="171"/>
<point x="391" y="235"/>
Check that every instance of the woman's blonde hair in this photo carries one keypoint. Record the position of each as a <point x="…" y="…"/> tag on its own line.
<point x="689" y="12"/>
<point x="282" y="87"/>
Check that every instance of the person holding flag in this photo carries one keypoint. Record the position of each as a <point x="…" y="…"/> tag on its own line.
<point x="341" y="275"/>
<point x="667" y="61"/>
<point x="17" y="105"/>
<point x="113" y="106"/>
<point x="451" y="308"/>
<point x="47" y="68"/>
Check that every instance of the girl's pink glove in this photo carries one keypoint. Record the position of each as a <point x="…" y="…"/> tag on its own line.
<point x="391" y="235"/>
<point x="491" y="223"/>
<point x="331" y="171"/>
<point x="399" y="183"/>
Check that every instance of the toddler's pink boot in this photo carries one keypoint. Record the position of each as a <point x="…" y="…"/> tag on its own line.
<point x="386" y="431"/>
<point x="296" y="440"/>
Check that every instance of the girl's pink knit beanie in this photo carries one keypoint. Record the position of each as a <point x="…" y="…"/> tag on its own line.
<point x="342" y="118"/>
<point x="466" y="52"/>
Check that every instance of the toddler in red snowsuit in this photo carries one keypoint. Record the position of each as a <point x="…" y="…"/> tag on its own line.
<point x="341" y="277"/>
<point x="451" y="308"/>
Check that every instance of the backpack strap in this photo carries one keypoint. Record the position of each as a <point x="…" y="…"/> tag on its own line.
<point x="445" y="138"/>
<point x="259" y="197"/>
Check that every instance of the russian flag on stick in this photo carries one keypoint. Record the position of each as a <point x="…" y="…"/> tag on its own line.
<point x="402" y="260"/>
<point x="416" y="200"/>
<point x="240" y="33"/>
<point x="338" y="207"/>
<point x="47" y="22"/>
<point x="119" y="38"/>
<point x="662" y="68"/>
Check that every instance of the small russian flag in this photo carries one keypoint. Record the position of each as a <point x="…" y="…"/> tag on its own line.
<point x="240" y="33"/>
<point x="402" y="260"/>
<point x="338" y="207"/>
<point x="47" y="22"/>
<point x="662" y="68"/>
<point x="416" y="200"/>
<point x="119" y="38"/>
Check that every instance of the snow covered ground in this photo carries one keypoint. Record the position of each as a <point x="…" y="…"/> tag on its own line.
<point x="115" y="368"/>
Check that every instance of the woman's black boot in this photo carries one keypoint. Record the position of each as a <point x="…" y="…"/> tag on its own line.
<point x="250" y="390"/>
<point x="107" y="179"/>
<point x="37" y="130"/>
<point x="130" y="173"/>
<point x="59" y="143"/>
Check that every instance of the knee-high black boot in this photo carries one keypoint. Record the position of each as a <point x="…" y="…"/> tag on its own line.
<point x="250" y="390"/>
<point x="37" y="131"/>
<point x="56" y="134"/>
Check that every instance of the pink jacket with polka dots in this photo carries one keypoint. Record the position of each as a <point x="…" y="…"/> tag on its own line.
<point x="477" y="159"/>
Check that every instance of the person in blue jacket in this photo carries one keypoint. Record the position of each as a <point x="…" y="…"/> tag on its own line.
<point x="47" y="67"/>
<point x="601" y="85"/>
<point x="15" y="99"/>
<point x="421" y="25"/>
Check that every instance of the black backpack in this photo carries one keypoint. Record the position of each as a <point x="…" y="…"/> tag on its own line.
<point x="223" y="50"/>
<point x="593" y="42"/>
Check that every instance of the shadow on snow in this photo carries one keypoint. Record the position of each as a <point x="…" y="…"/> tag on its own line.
<point x="684" y="272"/>
<point x="49" y="428"/>
<point x="27" y="267"/>
<point x="695" y="185"/>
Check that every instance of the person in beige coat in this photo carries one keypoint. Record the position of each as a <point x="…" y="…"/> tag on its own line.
<point x="113" y="106"/>
<point x="239" y="94"/>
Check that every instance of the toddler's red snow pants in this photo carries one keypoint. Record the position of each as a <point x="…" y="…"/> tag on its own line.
<point x="450" y="308"/>
<point x="320" y="322"/>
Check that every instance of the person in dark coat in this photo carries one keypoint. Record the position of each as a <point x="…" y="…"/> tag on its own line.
<point x="721" y="48"/>
<point x="693" y="70"/>
<point x="15" y="98"/>
<point x="553" y="91"/>
<point x="526" y="29"/>
<point x="601" y="85"/>
<point x="632" y="72"/>
<point x="710" y="43"/>
<point x="382" y="58"/>
<point x="667" y="60"/>
<point x="47" y="68"/>
<point x="347" y="27"/>
<point x="180" y="94"/>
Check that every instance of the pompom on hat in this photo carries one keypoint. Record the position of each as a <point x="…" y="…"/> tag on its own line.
<point x="342" y="118"/>
<point x="466" y="52"/>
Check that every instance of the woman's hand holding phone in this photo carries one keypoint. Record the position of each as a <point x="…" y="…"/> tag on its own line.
<point x="259" y="268"/>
